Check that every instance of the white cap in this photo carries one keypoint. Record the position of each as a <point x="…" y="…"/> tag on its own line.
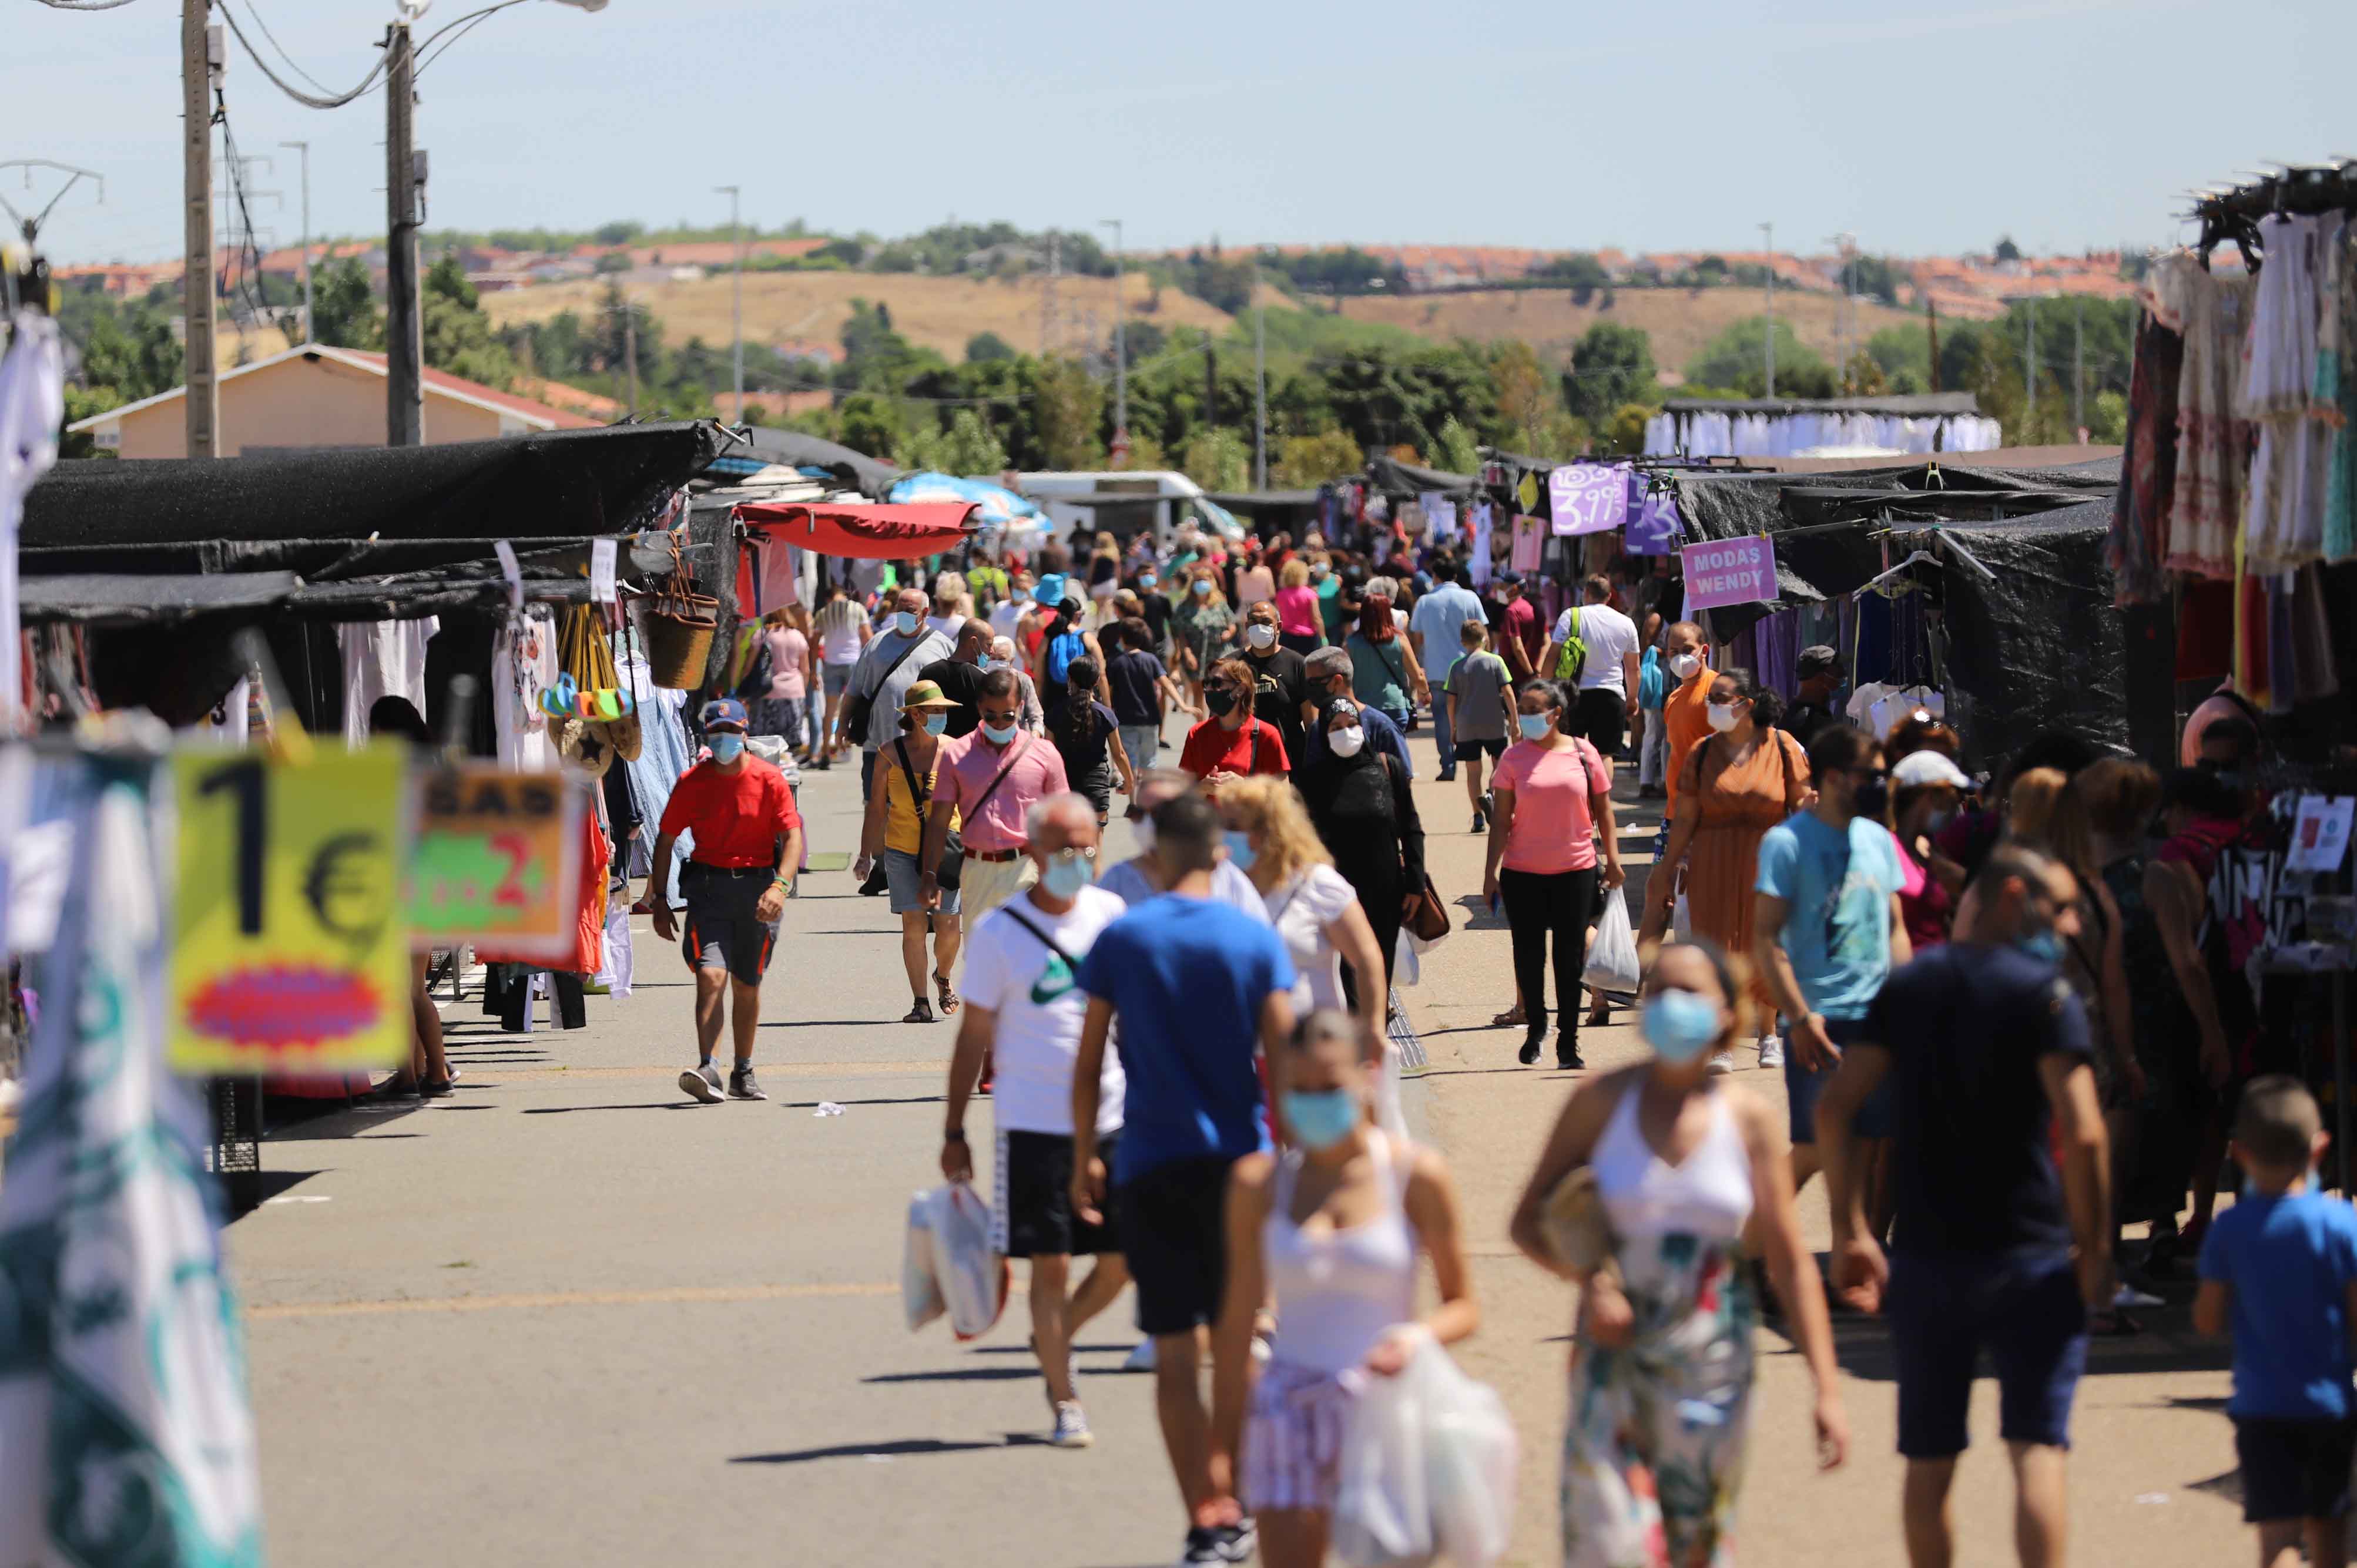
<point x="1920" y="768"/>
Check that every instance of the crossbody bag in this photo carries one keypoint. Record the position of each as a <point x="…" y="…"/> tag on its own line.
<point x="953" y="865"/>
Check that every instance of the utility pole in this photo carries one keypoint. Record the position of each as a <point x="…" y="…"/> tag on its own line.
<point x="2029" y="367"/>
<point x="201" y="56"/>
<point x="736" y="300"/>
<point x="1120" y="349"/>
<point x="1047" y="305"/>
<point x="1767" y="238"/>
<point x="305" y="148"/>
<point x="1259" y="392"/>
<point x="1931" y="329"/>
<point x="631" y="351"/>
<point x="1210" y="383"/>
<point x="2079" y="367"/>
<point x="404" y="326"/>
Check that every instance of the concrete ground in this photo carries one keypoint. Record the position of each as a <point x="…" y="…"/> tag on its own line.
<point x="588" y="1323"/>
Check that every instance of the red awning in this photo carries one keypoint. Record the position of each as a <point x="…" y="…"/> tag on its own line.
<point x="874" y="533"/>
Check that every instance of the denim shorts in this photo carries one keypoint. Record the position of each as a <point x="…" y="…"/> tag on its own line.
<point x="1804" y="1088"/>
<point x="2024" y="1309"/>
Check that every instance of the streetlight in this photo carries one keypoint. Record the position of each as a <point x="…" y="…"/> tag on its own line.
<point x="1120" y="349"/>
<point x="305" y="148"/>
<point x="1768" y="238"/>
<point x="735" y="295"/>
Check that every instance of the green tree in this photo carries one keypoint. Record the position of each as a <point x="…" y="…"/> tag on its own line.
<point x="2007" y="251"/>
<point x="1903" y="355"/>
<point x="1875" y="277"/>
<point x="459" y="335"/>
<point x="871" y="423"/>
<point x="1611" y="365"/>
<point x="1455" y="451"/>
<point x="1733" y="359"/>
<point x="1218" y="458"/>
<point x="984" y="346"/>
<point x="967" y="447"/>
<point x="1304" y="462"/>
<point x="1067" y="407"/>
<point x="1578" y="270"/>
<point x="344" y="312"/>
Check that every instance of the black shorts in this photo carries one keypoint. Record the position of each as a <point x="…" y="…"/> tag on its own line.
<point x="1946" y="1308"/>
<point x="1471" y="751"/>
<point x="1603" y="717"/>
<point x="722" y="930"/>
<point x="1033" y="1211"/>
<point x="1172" y="1235"/>
<point x="2294" y="1469"/>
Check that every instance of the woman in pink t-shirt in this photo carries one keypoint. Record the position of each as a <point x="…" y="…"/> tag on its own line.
<point x="1553" y="792"/>
<point x="786" y="710"/>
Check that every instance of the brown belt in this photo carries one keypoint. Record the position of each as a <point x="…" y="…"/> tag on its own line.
<point x="996" y="856"/>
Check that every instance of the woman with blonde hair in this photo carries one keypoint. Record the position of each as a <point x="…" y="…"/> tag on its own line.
<point x="1297" y="621"/>
<point x="1105" y="577"/>
<point x="1202" y="626"/>
<point x="1315" y="911"/>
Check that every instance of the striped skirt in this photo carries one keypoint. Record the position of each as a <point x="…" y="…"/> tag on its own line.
<point x="1293" y="1436"/>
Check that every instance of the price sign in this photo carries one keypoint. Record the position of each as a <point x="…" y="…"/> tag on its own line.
<point x="1588" y="498"/>
<point x="495" y="861"/>
<point x="288" y="948"/>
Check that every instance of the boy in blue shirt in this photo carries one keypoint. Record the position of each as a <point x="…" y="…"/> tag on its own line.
<point x="2279" y="1273"/>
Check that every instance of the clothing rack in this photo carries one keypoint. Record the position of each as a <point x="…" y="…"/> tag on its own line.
<point x="2301" y="188"/>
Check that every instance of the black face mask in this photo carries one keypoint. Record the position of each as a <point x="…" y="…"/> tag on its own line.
<point x="1872" y="798"/>
<point x="1220" y="701"/>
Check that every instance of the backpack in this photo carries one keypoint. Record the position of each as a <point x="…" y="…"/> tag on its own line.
<point x="1060" y="654"/>
<point x="1573" y="657"/>
<point x="1652" y="682"/>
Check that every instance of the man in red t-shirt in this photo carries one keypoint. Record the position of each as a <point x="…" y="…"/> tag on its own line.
<point x="748" y="842"/>
<point x="1519" y="639"/>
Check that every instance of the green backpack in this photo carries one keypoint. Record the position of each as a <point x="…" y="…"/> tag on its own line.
<point x="1573" y="657"/>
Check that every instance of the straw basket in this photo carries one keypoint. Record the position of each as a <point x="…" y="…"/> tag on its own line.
<point x="679" y="625"/>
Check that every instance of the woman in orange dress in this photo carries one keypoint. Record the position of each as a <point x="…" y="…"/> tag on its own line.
<point x="1746" y="778"/>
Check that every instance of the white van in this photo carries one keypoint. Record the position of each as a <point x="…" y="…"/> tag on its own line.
<point x="1121" y="501"/>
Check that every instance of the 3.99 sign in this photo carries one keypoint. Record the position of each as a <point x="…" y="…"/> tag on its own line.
<point x="289" y="950"/>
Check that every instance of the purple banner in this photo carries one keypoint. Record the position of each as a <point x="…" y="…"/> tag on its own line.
<point x="1729" y="572"/>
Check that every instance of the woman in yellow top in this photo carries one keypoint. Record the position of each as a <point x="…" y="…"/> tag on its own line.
<point x="895" y="828"/>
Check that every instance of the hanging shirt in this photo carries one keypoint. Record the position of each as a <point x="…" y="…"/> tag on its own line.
<point x="383" y="659"/>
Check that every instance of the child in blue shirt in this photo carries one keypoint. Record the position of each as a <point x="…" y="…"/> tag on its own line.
<point x="2279" y="1273"/>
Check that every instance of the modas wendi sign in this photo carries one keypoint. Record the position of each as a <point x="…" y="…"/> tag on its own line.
<point x="1729" y="572"/>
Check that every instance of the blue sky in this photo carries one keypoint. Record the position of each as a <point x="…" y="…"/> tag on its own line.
<point x="1921" y="127"/>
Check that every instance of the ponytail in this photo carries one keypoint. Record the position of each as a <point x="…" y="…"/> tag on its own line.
<point x="1767" y="707"/>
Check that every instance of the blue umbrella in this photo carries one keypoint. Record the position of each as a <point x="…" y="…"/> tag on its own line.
<point x="999" y="506"/>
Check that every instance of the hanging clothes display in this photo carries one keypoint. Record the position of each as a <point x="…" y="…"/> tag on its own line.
<point x="382" y="658"/>
<point x="1480" y="562"/>
<point x="2140" y="507"/>
<point x="2209" y="313"/>
<point x="524" y="665"/>
<point x="2284" y="509"/>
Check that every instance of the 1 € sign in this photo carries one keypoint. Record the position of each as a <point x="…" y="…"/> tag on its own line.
<point x="288" y="948"/>
<point x="1729" y="572"/>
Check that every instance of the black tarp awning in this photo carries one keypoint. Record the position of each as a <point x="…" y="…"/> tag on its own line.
<point x="870" y="476"/>
<point x="1392" y="477"/>
<point x="1255" y="501"/>
<point x="565" y="482"/>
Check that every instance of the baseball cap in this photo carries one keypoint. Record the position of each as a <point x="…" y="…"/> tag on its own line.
<point x="1512" y="579"/>
<point x="1815" y="660"/>
<point x="1918" y="768"/>
<point x="723" y="713"/>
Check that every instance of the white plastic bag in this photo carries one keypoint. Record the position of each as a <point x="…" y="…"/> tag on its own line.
<point x="921" y="1292"/>
<point x="1612" y="956"/>
<point x="1426" y="1471"/>
<point x="1407" y="968"/>
<point x="972" y="1277"/>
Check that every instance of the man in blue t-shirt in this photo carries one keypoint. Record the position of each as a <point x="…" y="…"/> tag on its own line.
<point x="1199" y="990"/>
<point x="2279" y="1273"/>
<point x="1983" y="1049"/>
<point x="1436" y="626"/>
<point x="1826" y="927"/>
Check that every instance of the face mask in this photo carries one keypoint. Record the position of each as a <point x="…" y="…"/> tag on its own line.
<point x="1347" y="740"/>
<point x="1722" y="717"/>
<point x="1679" y="1026"/>
<point x="1318" y="573"/>
<point x="935" y="723"/>
<point x="1871" y="798"/>
<point x="1683" y="665"/>
<point x="2044" y="946"/>
<point x="1022" y="595"/>
<point x="728" y="748"/>
<point x="1066" y="874"/>
<point x="1533" y="725"/>
<point x="1319" y="1118"/>
<point x="999" y="735"/>
<point x="1260" y="635"/>
<point x="1145" y="579"/>
<point x="1220" y="701"/>
<point x="905" y="622"/>
<point x="1240" y="849"/>
<point x="1201" y="590"/>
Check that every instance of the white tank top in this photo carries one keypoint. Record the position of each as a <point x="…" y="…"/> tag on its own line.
<point x="1706" y="1194"/>
<point x="1337" y="1292"/>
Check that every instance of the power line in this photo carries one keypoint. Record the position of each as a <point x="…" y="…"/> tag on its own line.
<point x="292" y="64"/>
<point x="84" y="4"/>
<point x="297" y="93"/>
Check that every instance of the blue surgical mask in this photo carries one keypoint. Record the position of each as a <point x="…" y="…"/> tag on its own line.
<point x="1679" y="1026"/>
<point x="999" y="735"/>
<point x="2044" y="946"/>
<point x="1321" y="1118"/>
<point x="1145" y="579"/>
<point x="727" y="747"/>
<point x="937" y="724"/>
<point x="1066" y="874"/>
<point x="1201" y="588"/>
<point x="1535" y="725"/>
<point x="1240" y="849"/>
<point x="905" y="622"/>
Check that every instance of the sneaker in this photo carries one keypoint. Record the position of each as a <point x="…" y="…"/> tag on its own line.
<point x="1072" y="1427"/>
<point x="1202" y="1547"/>
<point x="1567" y="1055"/>
<point x="2128" y="1296"/>
<point x="1771" y="1051"/>
<point x="742" y="1085"/>
<point x="701" y="1084"/>
<point x="1236" y="1542"/>
<point x="1722" y="1061"/>
<point x="1140" y="1359"/>
<point x="1447" y="776"/>
<point x="1481" y="824"/>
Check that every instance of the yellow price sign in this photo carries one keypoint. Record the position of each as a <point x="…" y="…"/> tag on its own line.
<point x="289" y="951"/>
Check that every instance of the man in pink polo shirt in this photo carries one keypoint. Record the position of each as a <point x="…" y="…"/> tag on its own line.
<point x="987" y="783"/>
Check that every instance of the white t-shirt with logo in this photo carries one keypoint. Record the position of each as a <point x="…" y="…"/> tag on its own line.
<point x="1012" y="973"/>
<point x="1610" y="636"/>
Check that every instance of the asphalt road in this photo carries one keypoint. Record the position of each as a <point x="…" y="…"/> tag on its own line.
<point x="568" y="1318"/>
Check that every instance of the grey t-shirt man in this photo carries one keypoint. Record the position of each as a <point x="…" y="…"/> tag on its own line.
<point x="1480" y="683"/>
<point x="868" y="677"/>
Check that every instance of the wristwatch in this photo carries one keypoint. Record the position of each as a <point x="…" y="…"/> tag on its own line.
<point x="954" y="1135"/>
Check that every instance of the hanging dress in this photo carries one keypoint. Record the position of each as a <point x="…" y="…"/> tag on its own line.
<point x="2213" y="444"/>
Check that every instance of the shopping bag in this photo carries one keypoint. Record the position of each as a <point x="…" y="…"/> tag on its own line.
<point x="921" y="1292"/>
<point x="1427" y="1470"/>
<point x="1406" y="968"/>
<point x="1612" y="956"/>
<point x="973" y="1277"/>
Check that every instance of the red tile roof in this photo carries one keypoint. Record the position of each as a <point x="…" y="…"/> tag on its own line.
<point x="563" y="419"/>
